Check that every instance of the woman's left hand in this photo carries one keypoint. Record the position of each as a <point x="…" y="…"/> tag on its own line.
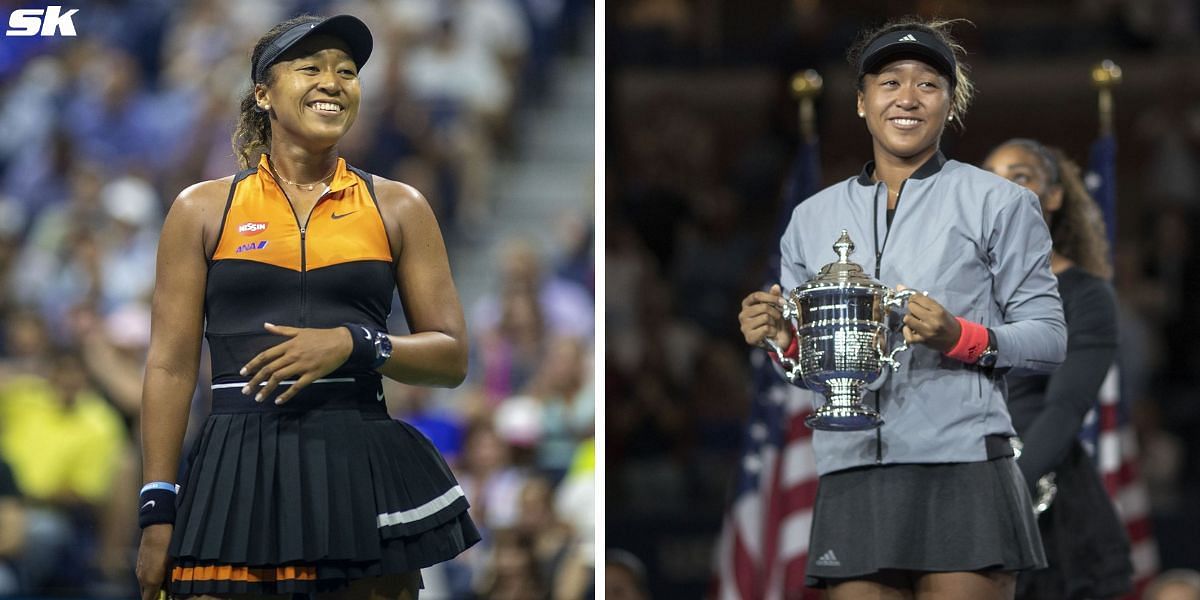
<point x="929" y="323"/>
<point x="306" y="356"/>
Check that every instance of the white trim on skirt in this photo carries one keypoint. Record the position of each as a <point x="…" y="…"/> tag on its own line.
<point x="422" y="511"/>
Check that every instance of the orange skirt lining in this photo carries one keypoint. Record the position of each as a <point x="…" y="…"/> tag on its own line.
<point x="243" y="573"/>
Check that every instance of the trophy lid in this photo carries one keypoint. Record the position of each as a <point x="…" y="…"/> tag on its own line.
<point x="843" y="271"/>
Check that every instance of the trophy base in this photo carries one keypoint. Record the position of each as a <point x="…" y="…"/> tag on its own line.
<point x="844" y="418"/>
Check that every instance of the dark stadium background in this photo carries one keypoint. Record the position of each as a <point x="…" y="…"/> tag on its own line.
<point x="486" y="106"/>
<point x="701" y="130"/>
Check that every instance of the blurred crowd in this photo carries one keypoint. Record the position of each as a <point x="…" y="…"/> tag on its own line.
<point x="703" y="132"/>
<point x="98" y="133"/>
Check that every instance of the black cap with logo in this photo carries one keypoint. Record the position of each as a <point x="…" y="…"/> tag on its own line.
<point x="911" y="42"/>
<point x="347" y="28"/>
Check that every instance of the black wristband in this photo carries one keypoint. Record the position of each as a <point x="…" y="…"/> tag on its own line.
<point x="363" y="355"/>
<point x="157" y="506"/>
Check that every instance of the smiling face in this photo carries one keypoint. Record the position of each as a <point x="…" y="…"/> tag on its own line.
<point x="1022" y="166"/>
<point x="312" y="92"/>
<point x="906" y="105"/>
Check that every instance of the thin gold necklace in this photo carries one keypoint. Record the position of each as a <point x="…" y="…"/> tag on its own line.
<point x="308" y="187"/>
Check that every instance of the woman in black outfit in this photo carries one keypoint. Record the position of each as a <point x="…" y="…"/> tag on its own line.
<point x="300" y="481"/>
<point x="1085" y="543"/>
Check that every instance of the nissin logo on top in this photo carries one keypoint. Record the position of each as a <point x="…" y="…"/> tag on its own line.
<point x="51" y="21"/>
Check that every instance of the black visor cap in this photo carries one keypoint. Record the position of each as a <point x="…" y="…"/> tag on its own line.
<point x="344" y="27"/>
<point x="908" y="43"/>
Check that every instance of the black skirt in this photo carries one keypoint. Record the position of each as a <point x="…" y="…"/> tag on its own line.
<point x="1084" y="539"/>
<point x="312" y="495"/>
<point x="922" y="517"/>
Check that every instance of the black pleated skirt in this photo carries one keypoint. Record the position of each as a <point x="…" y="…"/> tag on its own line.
<point x="949" y="517"/>
<point x="1084" y="539"/>
<point x="312" y="495"/>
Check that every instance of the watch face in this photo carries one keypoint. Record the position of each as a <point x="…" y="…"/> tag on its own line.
<point x="383" y="349"/>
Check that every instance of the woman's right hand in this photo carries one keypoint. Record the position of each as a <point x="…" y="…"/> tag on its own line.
<point x="762" y="318"/>
<point x="152" y="559"/>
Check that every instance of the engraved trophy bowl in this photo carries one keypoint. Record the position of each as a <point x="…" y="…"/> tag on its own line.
<point x="842" y="319"/>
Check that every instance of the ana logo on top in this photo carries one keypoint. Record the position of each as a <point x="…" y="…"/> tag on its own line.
<point x="252" y="227"/>
<point x="251" y="246"/>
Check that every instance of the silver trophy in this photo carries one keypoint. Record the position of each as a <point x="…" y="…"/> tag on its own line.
<point x="844" y="322"/>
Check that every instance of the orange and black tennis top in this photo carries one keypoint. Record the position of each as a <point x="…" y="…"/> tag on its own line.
<point x="271" y="265"/>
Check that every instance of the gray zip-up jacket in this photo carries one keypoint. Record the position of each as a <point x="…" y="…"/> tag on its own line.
<point x="977" y="244"/>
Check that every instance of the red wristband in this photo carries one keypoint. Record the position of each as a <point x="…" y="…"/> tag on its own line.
<point x="792" y="351"/>
<point x="971" y="342"/>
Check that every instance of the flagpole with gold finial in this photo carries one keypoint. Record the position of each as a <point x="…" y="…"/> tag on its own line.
<point x="806" y="86"/>
<point x="1106" y="76"/>
<point x="1102" y="180"/>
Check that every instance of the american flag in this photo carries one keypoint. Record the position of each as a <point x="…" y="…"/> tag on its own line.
<point x="763" y="546"/>
<point x="1108" y="431"/>
<point x="1108" y="435"/>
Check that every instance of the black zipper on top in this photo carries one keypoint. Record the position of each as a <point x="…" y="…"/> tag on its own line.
<point x="303" y="227"/>
<point x="879" y="246"/>
<point x="303" y="271"/>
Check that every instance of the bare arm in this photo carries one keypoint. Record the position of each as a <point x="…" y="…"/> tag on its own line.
<point x="435" y="353"/>
<point x="177" y="325"/>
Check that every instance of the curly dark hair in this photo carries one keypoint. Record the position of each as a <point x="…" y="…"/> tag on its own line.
<point x="252" y="136"/>
<point x="939" y="28"/>
<point x="1078" y="227"/>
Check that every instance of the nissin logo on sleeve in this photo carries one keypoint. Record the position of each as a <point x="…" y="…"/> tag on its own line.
<point x="28" y="22"/>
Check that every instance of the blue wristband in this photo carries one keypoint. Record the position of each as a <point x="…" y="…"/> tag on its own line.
<point x="160" y="485"/>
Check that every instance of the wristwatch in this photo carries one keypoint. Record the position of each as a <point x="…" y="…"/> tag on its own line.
<point x="383" y="348"/>
<point x="987" y="358"/>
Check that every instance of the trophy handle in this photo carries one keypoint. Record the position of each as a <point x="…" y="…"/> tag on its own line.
<point x="900" y="298"/>
<point x="790" y="367"/>
<point x="896" y="300"/>
<point x="890" y="359"/>
<point x="883" y="374"/>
